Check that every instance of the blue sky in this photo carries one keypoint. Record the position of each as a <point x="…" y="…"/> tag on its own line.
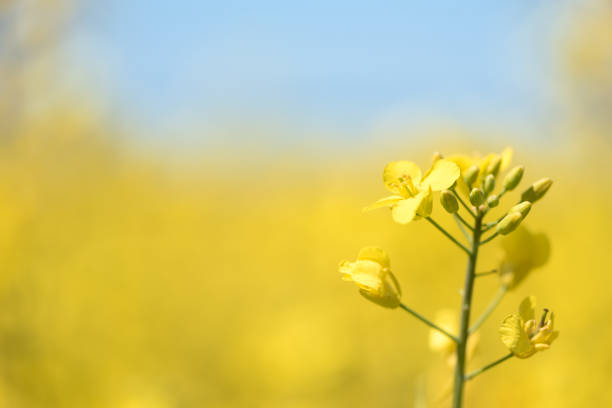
<point x="341" y="65"/>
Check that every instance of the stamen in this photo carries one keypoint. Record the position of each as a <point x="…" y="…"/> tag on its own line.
<point x="410" y="185"/>
<point x="543" y="317"/>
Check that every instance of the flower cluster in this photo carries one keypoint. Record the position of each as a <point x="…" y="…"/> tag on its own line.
<point x="466" y="185"/>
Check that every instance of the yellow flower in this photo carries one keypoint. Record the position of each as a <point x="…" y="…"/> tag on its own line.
<point x="412" y="192"/>
<point x="522" y="251"/>
<point x="372" y="274"/>
<point x="448" y="319"/>
<point x="523" y="335"/>
<point x="483" y="163"/>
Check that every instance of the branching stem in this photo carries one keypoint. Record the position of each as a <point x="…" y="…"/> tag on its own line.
<point x="428" y="322"/>
<point x="462" y="229"/>
<point x="448" y="235"/>
<point x="463" y="221"/>
<point x="491" y="272"/>
<point x="491" y="238"/>
<point x="490" y="308"/>
<point x="463" y="203"/>
<point x="488" y="366"/>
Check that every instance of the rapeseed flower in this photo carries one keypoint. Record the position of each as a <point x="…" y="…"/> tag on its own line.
<point x="412" y="192"/>
<point x="371" y="272"/>
<point x="522" y="251"/>
<point x="523" y="334"/>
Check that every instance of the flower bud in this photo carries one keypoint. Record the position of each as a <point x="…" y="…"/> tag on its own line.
<point x="436" y="156"/>
<point x="471" y="175"/>
<point x="509" y="223"/>
<point x="537" y="190"/>
<point x="522" y="208"/>
<point x="449" y="202"/>
<point x="513" y="178"/>
<point x="493" y="201"/>
<point x="489" y="184"/>
<point x="477" y="197"/>
<point x="494" y="165"/>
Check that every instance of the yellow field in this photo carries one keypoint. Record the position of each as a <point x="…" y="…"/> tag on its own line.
<point x="131" y="283"/>
<point x="132" y="279"/>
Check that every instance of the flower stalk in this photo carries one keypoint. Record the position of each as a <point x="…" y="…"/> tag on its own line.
<point x="490" y="308"/>
<point x="488" y="366"/>
<point x="428" y="322"/>
<point x="466" y="305"/>
<point x="448" y="235"/>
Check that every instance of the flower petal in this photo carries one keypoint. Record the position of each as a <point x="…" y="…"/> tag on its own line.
<point x="506" y="158"/>
<point x="522" y="252"/>
<point x="383" y="202"/>
<point x="387" y="298"/>
<point x="514" y="337"/>
<point x="442" y="175"/>
<point x="553" y="336"/>
<point x="527" y="308"/>
<point x="375" y="254"/>
<point x="395" y="171"/>
<point x="426" y="206"/>
<point x="368" y="275"/>
<point x="463" y="161"/>
<point x="346" y="269"/>
<point x="405" y="211"/>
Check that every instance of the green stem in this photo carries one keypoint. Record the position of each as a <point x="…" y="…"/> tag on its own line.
<point x="447" y="234"/>
<point x="491" y="272"/>
<point x="490" y="225"/>
<point x="466" y="304"/>
<point x="490" y="308"/>
<point x="463" y="230"/>
<point x="428" y="322"/>
<point x="463" y="203"/>
<point x="463" y="221"/>
<point x="485" y="368"/>
<point x="489" y="238"/>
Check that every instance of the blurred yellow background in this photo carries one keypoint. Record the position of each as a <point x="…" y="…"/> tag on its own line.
<point x="133" y="280"/>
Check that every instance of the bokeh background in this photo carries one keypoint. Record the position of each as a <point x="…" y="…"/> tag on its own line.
<point x="179" y="180"/>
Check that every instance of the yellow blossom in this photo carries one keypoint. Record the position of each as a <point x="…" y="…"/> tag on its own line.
<point x="372" y="274"/>
<point x="489" y="164"/>
<point x="448" y="319"/>
<point x="412" y="192"/>
<point x="521" y="252"/>
<point x="523" y="334"/>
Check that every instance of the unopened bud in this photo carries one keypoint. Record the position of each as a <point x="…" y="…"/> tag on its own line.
<point x="537" y="190"/>
<point x="471" y="175"/>
<point x="489" y="184"/>
<point x="513" y="178"/>
<point x="522" y="208"/>
<point x="509" y="223"/>
<point x="493" y="201"/>
<point x="449" y="202"/>
<point x="436" y="156"/>
<point x="477" y="197"/>
<point x="494" y="165"/>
